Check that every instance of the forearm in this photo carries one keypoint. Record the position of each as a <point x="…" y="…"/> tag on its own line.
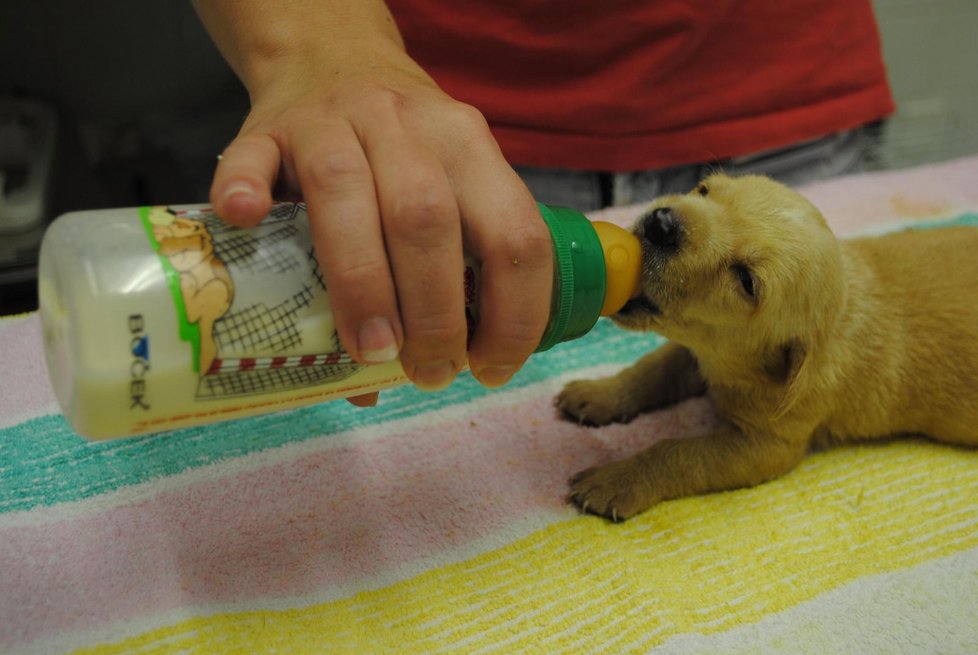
<point x="261" y="39"/>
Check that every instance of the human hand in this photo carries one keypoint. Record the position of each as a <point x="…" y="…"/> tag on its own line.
<point x="396" y="176"/>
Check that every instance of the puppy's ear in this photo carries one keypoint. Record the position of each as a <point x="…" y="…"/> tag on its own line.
<point x="787" y="366"/>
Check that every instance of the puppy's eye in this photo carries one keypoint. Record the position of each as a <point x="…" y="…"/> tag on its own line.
<point x="702" y="190"/>
<point x="746" y="278"/>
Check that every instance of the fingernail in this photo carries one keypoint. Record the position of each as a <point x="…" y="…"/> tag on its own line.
<point x="238" y="189"/>
<point x="495" y="376"/>
<point x="376" y="341"/>
<point x="432" y="377"/>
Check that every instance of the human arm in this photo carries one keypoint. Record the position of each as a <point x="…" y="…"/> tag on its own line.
<point x="396" y="176"/>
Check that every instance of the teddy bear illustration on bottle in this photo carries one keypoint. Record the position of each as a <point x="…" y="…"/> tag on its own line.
<point x="205" y="283"/>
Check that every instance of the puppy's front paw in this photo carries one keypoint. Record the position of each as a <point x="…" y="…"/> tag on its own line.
<point x="595" y="402"/>
<point x="616" y="491"/>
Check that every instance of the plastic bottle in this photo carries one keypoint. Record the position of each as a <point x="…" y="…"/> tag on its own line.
<point x="157" y="318"/>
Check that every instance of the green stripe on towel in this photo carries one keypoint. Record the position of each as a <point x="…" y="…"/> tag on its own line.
<point x="45" y="463"/>
<point x="964" y="220"/>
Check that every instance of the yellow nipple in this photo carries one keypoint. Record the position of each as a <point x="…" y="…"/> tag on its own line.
<point x="623" y="265"/>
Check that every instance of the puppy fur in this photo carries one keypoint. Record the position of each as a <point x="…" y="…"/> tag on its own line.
<point x="800" y="340"/>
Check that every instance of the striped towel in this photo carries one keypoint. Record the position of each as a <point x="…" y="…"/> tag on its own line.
<point x="436" y="523"/>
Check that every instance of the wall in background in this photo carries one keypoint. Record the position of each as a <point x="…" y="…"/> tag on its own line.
<point x="932" y="59"/>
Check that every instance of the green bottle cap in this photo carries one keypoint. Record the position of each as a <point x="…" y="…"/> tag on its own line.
<point x="579" y="276"/>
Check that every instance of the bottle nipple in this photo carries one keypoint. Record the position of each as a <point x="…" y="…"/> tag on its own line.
<point x="623" y="265"/>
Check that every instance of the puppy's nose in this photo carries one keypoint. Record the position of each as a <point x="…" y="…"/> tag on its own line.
<point x="661" y="228"/>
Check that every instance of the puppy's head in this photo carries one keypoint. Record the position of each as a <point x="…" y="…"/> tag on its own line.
<point x="737" y="266"/>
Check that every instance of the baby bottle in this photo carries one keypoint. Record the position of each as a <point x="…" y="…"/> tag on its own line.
<point x="156" y="318"/>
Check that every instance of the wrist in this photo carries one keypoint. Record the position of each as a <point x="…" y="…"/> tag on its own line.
<point x="311" y="61"/>
<point x="264" y="43"/>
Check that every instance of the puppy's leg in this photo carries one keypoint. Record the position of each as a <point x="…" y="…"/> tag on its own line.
<point x="722" y="460"/>
<point x="665" y="376"/>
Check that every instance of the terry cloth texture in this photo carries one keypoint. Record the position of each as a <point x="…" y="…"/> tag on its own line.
<point x="436" y="523"/>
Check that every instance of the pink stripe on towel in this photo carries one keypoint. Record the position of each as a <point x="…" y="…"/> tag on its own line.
<point x="873" y="200"/>
<point x="314" y="524"/>
<point x="25" y="392"/>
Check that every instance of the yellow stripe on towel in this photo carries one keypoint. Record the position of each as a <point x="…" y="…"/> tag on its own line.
<point x="700" y="565"/>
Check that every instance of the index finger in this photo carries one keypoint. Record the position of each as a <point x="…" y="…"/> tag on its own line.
<point x="338" y="187"/>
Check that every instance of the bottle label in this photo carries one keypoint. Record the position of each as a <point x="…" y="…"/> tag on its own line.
<point x="252" y="304"/>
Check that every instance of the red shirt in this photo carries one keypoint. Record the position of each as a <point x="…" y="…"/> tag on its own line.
<point x="641" y="84"/>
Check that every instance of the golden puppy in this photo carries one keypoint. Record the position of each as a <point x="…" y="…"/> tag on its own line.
<point x="799" y="340"/>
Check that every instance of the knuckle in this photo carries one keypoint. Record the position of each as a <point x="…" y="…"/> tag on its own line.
<point x="516" y="339"/>
<point x="387" y="98"/>
<point x="506" y="340"/>
<point x="366" y="94"/>
<point x="423" y="215"/>
<point x="435" y="333"/>
<point x="511" y="343"/>
<point x="469" y="133"/>
<point x="354" y="271"/>
<point x="527" y="242"/>
<point x="369" y="102"/>
<point x="469" y="121"/>
<point x="335" y="168"/>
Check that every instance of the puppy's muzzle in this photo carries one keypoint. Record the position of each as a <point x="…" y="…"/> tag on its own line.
<point x="661" y="229"/>
<point x="661" y="233"/>
<point x="639" y="306"/>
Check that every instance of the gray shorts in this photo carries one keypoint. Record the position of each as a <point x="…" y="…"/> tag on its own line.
<point x="835" y="154"/>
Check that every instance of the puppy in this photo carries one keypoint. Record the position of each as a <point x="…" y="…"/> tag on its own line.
<point x="799" y="339"/>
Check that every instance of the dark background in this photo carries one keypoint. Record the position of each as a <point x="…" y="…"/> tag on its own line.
<point x="144" y="104"/>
